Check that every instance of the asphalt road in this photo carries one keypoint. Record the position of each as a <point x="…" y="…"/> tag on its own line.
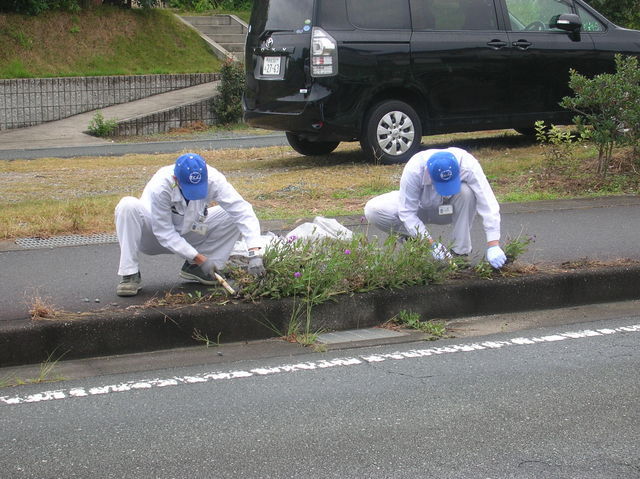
<point x="557" y="402"/>
<point x="73" y="278"/>
<point x="118" y="149"/>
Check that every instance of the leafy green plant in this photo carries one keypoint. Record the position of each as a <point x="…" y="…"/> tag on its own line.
<point x="36" y="7"/>
<point x="623" y="12"/>
<point x="318" y="270"/>
<point x="99" y="126"/>
<point x="204" y="338"/>
<point x="200" y="6"/>
<point x="558" y="145"/>
<point x="227" y="105"/>
<point x="513" y="249"/>
<point x="315" y="271"/>
<point x="411" y="320"/>
<point x="608" y="108"/>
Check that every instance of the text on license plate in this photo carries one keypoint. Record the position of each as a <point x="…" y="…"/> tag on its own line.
<point x="271" y="66"/>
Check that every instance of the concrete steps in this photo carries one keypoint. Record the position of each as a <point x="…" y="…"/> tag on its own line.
<point x="225" y="34"/>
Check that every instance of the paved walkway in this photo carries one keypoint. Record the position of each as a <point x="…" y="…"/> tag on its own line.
<point x="69" y="132"/>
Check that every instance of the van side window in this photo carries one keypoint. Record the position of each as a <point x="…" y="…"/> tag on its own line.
<point x="454" y="15"/>
<point x="535" y="16"/>
<point x="377" y="14"/>
<point x="589" y="22"/>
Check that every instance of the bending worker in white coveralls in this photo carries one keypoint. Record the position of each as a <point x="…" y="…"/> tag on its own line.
<point x="441" y="187"/>
<point x="173" y="216"/>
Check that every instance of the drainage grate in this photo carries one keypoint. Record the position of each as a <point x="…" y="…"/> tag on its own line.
<point x="69" y="240"/>
<point x="358" y="335"/>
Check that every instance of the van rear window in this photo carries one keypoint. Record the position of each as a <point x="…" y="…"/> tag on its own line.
<point x="284" y="15"/>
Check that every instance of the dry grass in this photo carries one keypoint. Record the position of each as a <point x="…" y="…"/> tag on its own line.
<point x="55" y="196"/>
<point x="42" y="309"/>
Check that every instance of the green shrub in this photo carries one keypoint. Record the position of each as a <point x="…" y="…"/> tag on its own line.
<point x="608" y="108"/>
<point x="227" y="105"/>
<point x="200" y="6"/>
<point x="35" y="7"/>
<point x="99" y="126"/>
<point x="558" y="145"/>
<point x="623" y="12"/>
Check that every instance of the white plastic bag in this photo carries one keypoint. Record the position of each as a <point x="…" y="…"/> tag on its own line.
<point x="320" y="228"/>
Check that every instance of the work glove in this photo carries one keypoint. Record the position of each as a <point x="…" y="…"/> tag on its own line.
<point x="496" y="257"/>
<point x="256" y="267"/>
<point x="208" y="267"/>
<point x="440" y="252"/>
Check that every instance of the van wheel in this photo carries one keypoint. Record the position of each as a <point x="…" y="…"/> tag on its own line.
<point x="391" y="133"/>
<point x="310" y="148"/>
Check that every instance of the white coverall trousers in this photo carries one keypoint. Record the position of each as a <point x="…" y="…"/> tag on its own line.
<point x="133" y="228"/>
<point x="382" y="212"/>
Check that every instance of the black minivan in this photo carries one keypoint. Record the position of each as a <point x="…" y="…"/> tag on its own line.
<point x="386" y="73"/>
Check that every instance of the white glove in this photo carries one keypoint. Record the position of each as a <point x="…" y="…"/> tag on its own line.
<point x="496" y="257"/>
<point x="256" y="266"/>
<point x="440" y="252"/>
<point x="208" y="267"/>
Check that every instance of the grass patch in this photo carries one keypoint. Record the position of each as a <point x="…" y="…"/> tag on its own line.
<point x="100" y="41"/>
<point x="45" y="375"/>
<point x="410" y="320"/>
<point x="54" y="196"/>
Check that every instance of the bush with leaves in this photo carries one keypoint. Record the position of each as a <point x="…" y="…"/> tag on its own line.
<point x="36" y="7"/>
<point x="608" y="108"/>
<point x="625" y="13"/>
<point x="200" y="6"/>
<point x="99" y="126"/>
<point x="557" y="145"/>
<point x="227" y="105"/>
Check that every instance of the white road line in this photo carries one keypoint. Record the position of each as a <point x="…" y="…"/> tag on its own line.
<point x="78" y="392"/>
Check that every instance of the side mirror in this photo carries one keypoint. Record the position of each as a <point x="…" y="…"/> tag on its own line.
<point x="569" y="22"/>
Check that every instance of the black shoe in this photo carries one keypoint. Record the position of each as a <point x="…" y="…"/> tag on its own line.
<point x="194" y="272"/>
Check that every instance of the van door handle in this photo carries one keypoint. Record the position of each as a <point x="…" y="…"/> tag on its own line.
<point x="522" y="44"/>
<point x="497" y="44"/>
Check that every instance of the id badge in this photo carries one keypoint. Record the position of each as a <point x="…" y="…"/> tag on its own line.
<point x="444" y="210"/>
<point x="199" y="228"/>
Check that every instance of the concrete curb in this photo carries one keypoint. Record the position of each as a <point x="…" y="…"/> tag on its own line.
<point x="147" y="329"/>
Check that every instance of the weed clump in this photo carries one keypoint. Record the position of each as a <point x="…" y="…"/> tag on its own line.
<point x="41" y="309"/>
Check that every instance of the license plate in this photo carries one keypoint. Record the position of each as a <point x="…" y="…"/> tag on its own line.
<point x="271" y="66"/>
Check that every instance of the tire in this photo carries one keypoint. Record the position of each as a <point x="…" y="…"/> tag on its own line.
<point x="392" y="132"/>
<point x="310" y="148"/>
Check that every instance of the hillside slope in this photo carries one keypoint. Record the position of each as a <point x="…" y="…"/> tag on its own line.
<point x="100" y="41"/>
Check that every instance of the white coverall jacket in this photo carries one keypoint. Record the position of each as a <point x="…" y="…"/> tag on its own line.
<point x="162" y="222"/>
<point x="416" y="203"/>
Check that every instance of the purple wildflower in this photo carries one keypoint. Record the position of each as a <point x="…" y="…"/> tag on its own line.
<point x="297" y="274"/>
<point x="347" y="251"/>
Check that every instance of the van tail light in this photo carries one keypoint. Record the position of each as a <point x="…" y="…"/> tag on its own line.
<point x="324" y="54"/>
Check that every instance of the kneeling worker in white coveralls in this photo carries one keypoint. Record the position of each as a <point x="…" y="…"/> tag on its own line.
<point x="172" y="216"/>
<point x="441" y="187"/>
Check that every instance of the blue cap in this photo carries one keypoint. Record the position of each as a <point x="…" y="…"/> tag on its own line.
<point x="445" y="173"/>
<point x="191" y="172"/>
